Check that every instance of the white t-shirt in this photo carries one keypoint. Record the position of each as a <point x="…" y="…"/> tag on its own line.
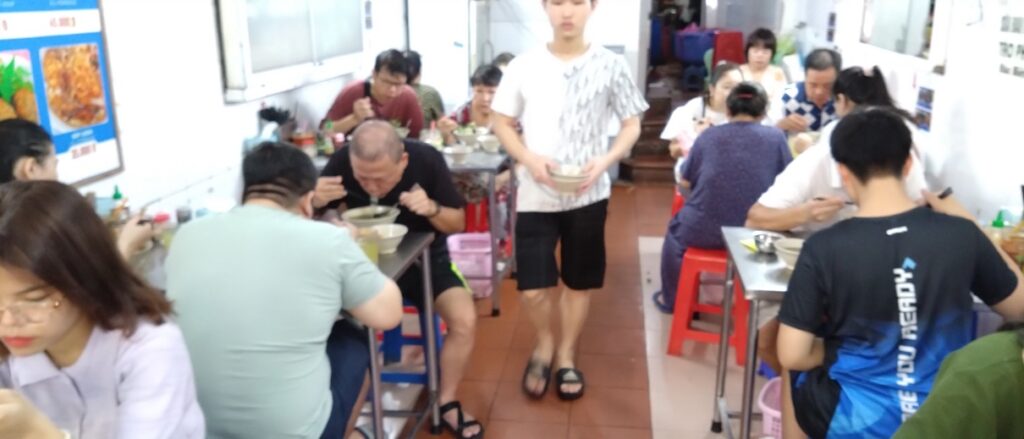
<point x="773" y="80"/>
<point x="138" y="386"/>
<point x="682" y="126"/>
<point x="564" y="108"/>
<point x="814" y="173"/>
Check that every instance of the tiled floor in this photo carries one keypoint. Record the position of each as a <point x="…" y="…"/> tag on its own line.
<point x="634" y="390"/>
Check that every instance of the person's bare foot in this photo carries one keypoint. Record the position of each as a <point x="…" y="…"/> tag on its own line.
<point x="535" y="381"/>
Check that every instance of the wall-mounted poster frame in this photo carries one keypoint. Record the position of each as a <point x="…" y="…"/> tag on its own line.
<point x="54" y="70"/>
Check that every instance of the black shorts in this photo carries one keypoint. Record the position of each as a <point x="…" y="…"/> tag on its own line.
<point x="443" y="276"/>
<point x="815" y="397"/>
<point x="581" y="232"/>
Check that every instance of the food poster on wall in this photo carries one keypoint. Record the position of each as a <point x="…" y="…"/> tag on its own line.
<point x="1011" y="37"/>
<point x="53" y="72"/>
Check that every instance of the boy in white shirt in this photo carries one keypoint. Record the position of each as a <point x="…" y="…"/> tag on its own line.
<point x="564" y="95"/>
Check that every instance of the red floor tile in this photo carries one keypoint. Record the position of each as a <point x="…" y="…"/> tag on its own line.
<point x="613" y="408"/>
<point x="596" y="432"/>
<point x="511" y="404"/>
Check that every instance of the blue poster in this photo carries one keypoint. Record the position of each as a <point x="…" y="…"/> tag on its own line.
<point x="53" y="71"/>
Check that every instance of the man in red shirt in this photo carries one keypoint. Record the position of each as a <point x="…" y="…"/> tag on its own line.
<point x="384" y="96"/>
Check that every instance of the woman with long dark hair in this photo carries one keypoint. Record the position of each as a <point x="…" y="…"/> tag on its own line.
<point x="87" y="348"/>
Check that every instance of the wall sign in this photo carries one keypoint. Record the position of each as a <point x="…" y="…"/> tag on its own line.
<point x="53" y="71"/>
<point x="1011" y="38"/>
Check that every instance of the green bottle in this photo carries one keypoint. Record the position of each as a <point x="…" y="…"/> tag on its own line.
<point x="117" y="193"/>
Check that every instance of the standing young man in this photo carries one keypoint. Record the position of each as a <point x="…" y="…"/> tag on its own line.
<point x="564" y="94"/>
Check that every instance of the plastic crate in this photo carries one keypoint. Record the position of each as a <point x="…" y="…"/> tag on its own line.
<point x="690" y="46"/>
<point x="471" y="253"/>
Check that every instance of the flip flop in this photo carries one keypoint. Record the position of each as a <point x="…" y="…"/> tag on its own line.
<point x="537" y="369"/>
<point x="569" y="375"/>
<point x="659" y="302"/>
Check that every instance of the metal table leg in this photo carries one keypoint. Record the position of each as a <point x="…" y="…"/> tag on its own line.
<point x="513" y="190"/>
<point x="749" y="371"/>
<point x="431" y="354"/>
<point x="723" y="345"/>
<point x="492" y="218"/>
<point x="375" y="386"/>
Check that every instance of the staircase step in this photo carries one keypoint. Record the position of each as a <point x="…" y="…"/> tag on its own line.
<point x="648" y="169"/>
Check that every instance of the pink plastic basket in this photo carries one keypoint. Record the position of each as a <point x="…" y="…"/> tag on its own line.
<point x="770" y="402"/>
<point x="471" y="252"/>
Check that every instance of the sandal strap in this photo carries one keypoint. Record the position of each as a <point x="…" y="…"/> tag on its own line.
<point x="457" y="406"/>
<point x="563" y="376"/>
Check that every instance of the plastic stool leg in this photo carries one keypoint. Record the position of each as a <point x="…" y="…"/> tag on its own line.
<point x="392" y="345"/>
<point x="683" y="313"/>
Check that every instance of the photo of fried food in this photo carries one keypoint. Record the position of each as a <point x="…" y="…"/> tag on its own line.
<point x="7" y="111"/>
<point x="25" y="105"/>
<point x="74" y="88"/>
<point x="17" y="94"/>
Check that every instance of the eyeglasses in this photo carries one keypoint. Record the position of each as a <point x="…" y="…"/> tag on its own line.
<point x="30" y="311"/>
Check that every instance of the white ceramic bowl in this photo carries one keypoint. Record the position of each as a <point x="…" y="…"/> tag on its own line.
<point x="370" y="216"/>
<point x="567" y="178"/>
<point x="458" y="153"/>
<point x="788" y="250"/>
<point x="390" y="236"/>
<point x="466" y="139"/>
<point x="489" y="143"/>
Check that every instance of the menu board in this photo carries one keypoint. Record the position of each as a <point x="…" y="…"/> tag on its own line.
<point x="53" y="71"/>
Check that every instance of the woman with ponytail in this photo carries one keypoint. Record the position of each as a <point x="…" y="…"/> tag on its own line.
<point x="728" y="167"/>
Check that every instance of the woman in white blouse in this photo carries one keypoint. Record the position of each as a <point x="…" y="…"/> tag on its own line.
<point x="87" y="351"/>
<point x="690" y="120"/>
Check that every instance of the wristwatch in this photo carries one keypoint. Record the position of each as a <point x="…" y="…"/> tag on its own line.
<point x="437" y="210"/>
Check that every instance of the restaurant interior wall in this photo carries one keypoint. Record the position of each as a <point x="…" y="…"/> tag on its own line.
<point x="180" y="141"/>
<point x="975" y="137"/>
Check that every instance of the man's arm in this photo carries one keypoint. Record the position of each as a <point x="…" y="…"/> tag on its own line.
<point x="383" y="311"/>
<point x="1011" y="307"/>
<point x="620" y="149"/>
<point x="444" y="219"/>
<point x="762" y="217"/>
<point x="347" y="123"/>
<point x="799" y="350"/>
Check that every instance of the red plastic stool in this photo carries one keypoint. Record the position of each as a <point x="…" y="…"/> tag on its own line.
<point x="695" y="262"/>
<point x="678" y="201"/>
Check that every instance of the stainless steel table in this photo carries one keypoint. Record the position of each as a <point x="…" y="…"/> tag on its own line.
<point x="764" y="278"/>
<point x="480" y="162"/>
<point x="415" y="247"/>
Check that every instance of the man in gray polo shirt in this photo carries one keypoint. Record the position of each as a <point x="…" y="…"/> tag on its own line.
<point x="258" y="292"/>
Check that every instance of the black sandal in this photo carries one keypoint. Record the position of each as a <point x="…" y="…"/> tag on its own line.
<point x="563" y="377"/>
<point x="463" y="423"/>
<point x="537" y="369"/>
